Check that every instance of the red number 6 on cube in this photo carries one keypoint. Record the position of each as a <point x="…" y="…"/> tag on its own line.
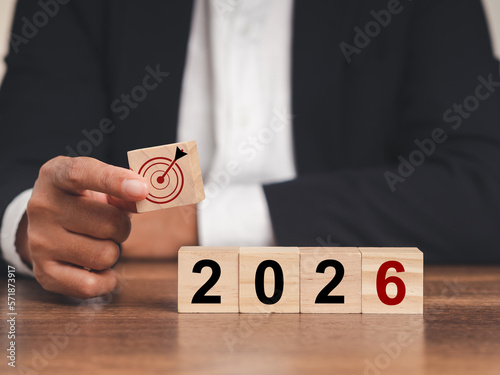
<point x="392" y="280"/>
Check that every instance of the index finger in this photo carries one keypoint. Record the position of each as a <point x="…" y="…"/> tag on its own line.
<point x="83" y="173"/>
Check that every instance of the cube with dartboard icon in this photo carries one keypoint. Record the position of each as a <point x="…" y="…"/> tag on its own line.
<point x="172" y="172"/>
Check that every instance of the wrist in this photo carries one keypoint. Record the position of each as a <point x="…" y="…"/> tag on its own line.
<point x="22" y="246"/>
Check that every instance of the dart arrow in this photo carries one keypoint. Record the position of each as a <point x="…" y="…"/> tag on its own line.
<point x="178" y="154"/>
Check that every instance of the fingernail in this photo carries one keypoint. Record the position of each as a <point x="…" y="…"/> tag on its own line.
<point x="135" y="188"/>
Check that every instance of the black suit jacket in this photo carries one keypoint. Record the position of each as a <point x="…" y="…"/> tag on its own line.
<point x="354" y="121"/>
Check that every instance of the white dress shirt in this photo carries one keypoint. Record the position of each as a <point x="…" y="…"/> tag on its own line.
<point x="235" y="102"/>
<point x="236" y="105"/>
<point x="11" y="219"/>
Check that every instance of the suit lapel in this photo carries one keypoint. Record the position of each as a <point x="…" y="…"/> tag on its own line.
<point x="148" y="35"/>
<point x="318" y="80"/>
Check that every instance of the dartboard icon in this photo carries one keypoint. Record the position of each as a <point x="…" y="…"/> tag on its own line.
<point x="164" y="176"/>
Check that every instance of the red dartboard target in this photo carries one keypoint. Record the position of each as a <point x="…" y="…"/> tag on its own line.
<point x="164" y="188"/>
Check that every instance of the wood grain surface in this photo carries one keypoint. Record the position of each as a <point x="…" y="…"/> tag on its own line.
<point x="137" y="330"/>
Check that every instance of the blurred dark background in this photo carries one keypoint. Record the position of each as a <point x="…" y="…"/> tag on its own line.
<point x="492" y="8"/>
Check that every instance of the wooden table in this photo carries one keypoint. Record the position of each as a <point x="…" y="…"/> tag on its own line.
<point x="138" y="331"/>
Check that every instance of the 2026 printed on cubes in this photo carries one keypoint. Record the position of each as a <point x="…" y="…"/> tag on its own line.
<point x="300" y="280"/>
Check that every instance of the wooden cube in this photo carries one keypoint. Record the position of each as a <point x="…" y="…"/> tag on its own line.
<point x="208" y="279"/>
<point x="392" y="280"/>
<point x="172" y="172"/>
<point x="330" y="280"/>
<point x="269" y="280"/>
